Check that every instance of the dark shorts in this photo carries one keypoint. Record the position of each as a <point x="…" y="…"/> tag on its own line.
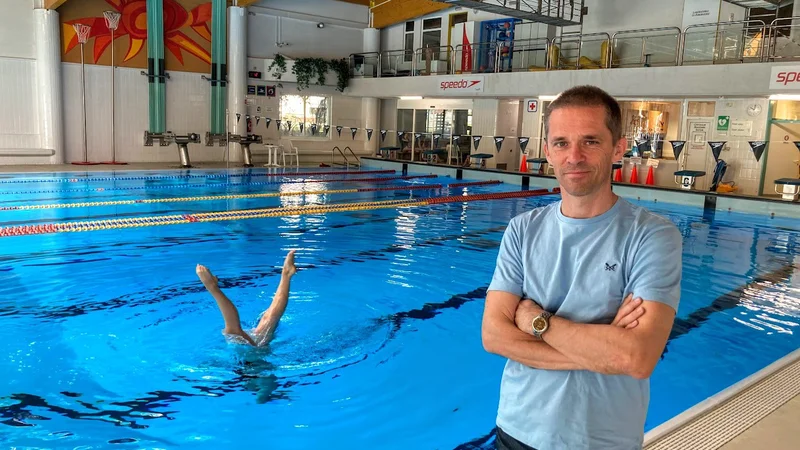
<point x="506" y="442"/>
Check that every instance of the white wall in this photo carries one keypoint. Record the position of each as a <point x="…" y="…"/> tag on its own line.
<point x="295" y="24"/>
<point x="619" y="15"/>
<point x="187" y="111"/>
<point x="484" y="123"/>
<point x="19" y="127"/>
<point x="16" y="29"/>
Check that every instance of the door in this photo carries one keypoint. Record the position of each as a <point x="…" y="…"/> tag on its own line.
<point x="696" y="154"/>
<point x="782" y="156"/>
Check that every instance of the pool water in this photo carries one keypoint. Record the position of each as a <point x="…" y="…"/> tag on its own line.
<point x="112" y="342"/>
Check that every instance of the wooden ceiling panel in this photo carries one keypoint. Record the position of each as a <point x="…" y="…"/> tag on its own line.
<point x="398" y="11"/>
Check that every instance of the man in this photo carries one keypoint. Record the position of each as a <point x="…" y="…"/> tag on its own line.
<point x="265" y="331"/>
<point x="579" y="355"/>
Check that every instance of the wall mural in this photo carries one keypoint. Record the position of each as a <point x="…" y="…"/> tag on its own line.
<point x="187" y="33"/>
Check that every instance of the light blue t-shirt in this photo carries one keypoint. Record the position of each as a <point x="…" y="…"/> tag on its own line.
<point x="581" y="269"/>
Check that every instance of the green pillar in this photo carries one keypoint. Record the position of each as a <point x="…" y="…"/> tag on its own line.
<point x="155" y="66"/>
<point x="219" y="67"/>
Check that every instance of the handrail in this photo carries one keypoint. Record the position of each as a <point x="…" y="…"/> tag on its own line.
<point x="646" y="30"/>
<point x="333" y="156"/>
<point x="473" y="48"/>
<point x="352" y="56"/>
<point x="717" y="25"/>
<point x="526" y="46"/>
<point x="579" y="38"/>
<point x="772" y="39"/>
<point x="358" y="161"/>
<point x="436" y="50"/>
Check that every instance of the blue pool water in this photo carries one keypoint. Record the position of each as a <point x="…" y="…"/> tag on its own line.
<point x="110" y="341"/>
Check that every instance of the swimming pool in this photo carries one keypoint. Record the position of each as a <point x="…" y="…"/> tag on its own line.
<point x="110" y="339"/>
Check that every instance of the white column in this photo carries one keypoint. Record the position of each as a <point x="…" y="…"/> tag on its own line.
<point x="237" y="75"/>
<point x="793" y="30"/>
<point x="48" y="82"/>
<point x="371" y="107"/>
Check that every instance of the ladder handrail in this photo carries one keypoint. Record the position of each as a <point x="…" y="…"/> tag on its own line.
<point x="333" y="156"/>
<point x="358" y="161"/>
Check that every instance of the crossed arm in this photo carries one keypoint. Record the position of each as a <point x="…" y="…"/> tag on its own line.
<point x="630" y="345"/>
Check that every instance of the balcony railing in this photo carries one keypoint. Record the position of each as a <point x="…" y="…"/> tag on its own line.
<point x="735" y="42"/>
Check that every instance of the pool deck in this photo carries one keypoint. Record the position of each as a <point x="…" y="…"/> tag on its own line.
<point x="777" y="431"/>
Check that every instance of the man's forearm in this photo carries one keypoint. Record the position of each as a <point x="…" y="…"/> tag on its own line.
<point x="599" y="348"/>
<point x="507" y="340"/>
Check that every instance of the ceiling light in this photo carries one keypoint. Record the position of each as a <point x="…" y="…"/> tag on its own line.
<point x="411" y="97"/>
<point x="784" y="97"/>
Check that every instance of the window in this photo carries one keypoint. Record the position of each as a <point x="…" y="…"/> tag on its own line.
<point x="408" y="43"/>
<point x="432" y="33"/>
<point x="300" y="114"/>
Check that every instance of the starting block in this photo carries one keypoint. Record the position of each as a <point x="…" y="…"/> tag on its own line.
<point x="245" y="142"/>
<point x="791" y="188"/>
<point x="686" y="178"/>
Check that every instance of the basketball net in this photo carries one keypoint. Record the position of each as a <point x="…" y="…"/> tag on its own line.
<point x="112" y="19"/>
<point x="83" y="32"/>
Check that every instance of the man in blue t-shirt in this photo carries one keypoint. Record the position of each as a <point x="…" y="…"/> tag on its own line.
<point x="603" y="278"/>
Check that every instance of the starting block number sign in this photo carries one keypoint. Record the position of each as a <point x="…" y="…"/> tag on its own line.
<point x="533" y="106"/>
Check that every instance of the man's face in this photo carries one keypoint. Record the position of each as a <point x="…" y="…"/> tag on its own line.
<point x="581" y="149"/>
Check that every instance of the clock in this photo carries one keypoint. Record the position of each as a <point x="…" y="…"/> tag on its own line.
<point x="754" y="110"/>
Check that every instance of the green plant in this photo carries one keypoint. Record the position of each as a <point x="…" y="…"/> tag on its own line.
<point x="280" y="64"/>
<point x="342" y="69"/>
<point x="307" y="68"/>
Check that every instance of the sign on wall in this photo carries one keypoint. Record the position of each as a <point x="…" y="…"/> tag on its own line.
<point x="466" y="84"/>
<point x="723" y="123"/>
<point x="696" y="12"/>
<point x="785" y="78"/>
<point x="533" y="106"/>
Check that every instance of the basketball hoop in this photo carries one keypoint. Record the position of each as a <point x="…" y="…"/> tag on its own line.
<point x="83" y="32"/>
<point x="112" y="19"/>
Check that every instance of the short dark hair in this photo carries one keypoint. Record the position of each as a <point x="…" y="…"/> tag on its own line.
<point x="588" y="96"/>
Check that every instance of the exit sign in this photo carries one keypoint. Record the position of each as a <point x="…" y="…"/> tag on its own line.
<point x="254" y="74"/>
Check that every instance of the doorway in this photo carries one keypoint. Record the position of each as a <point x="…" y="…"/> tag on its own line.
<point x="696" y="154"/>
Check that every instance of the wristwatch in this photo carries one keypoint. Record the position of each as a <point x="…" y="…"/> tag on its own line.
<point x="540" y="323"/>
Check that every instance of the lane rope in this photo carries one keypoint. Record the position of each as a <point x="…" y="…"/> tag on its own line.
<point x="411" y="187"/>
<point x="93" y="225"/>
<point x="189" y="176"/>
<point x="253" y="183"/>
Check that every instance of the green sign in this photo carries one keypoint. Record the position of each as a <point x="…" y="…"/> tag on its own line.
<point x="723" y="122"/>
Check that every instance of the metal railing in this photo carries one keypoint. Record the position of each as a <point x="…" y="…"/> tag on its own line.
<point x="433" y="60"/>
<point x="646" y="47"/>
<point x="779" y="39"/>
<point x="347" y="162"/>
<point x="529" y="54"/>
<point x="737" y="41"/>
<point x="397" y="63"/>
<point x="710" y="43"/>
<point x="581" y="51"/>
<point x="482" y="57"/>
<point x="365" y="65"/>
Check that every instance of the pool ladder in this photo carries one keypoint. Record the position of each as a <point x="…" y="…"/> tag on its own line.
<point x="347" y="162"/>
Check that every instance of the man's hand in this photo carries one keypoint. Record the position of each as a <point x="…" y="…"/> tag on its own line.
<point x="629" y="313"/>
<point x="627" y="317"/>
<point x="527" y="310"/>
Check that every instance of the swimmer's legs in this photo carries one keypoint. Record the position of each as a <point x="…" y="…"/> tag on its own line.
<point x="229" y="312"/>
<point x="272" y="316"/>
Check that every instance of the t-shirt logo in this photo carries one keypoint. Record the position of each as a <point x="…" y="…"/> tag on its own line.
<point x="611" y="267"/>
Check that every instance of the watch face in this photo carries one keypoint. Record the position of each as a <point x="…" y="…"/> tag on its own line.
<point x="539" y="324"/>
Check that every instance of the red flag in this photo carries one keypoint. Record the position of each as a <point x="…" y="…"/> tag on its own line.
<point x="466" y="53"/>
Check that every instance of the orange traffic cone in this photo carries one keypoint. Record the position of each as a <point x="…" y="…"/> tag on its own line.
<point x="618" y="175"/>
<point x="649" y="181"/>
<point x="523" y="166"/>
<point x="634" y="175"/>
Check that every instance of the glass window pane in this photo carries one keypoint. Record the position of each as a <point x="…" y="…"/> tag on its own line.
<point x="431" y="39"/>
<point x="409" y="26"/>
<point x="300" y="112"/>
<point x="430" y="24"/>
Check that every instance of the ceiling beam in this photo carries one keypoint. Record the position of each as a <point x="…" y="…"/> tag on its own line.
<point x="53" y="4"/>
<point x="357" y="2"/>
<point x="397" y="11"/>
<point x="243" y="3"/>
